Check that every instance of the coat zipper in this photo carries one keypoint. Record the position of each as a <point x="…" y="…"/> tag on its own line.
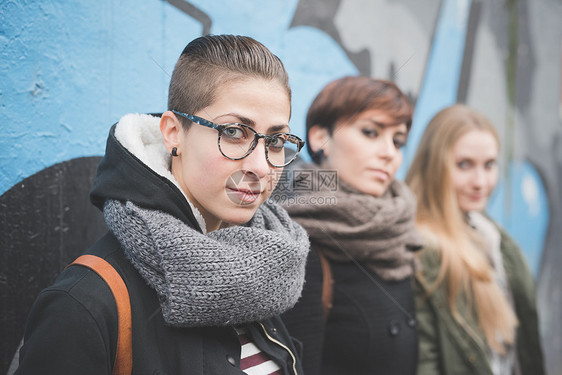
<point x="283" y="346"/>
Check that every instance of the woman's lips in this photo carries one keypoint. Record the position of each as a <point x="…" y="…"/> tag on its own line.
<point x="380" y="174"/>
<point x="243" y="196"/>
<point x="476" y="197"/>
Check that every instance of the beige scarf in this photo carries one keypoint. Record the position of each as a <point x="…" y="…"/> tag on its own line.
<point x="379" y="232"/>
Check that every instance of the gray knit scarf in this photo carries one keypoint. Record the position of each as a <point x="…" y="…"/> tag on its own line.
<point x="376" y="231"/>
<point x="229" y="276"/>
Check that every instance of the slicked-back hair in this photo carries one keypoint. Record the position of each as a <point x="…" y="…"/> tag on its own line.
<point x="212" y="60"/>
<point x="347" y="97"/>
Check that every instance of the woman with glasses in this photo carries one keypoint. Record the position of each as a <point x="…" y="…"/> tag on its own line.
<point x="475" y="295"/>
<point x="208" y="264"/>
<point x="356" y="315"/>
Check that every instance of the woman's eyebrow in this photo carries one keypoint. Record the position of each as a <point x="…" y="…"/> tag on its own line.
<point x="278" y="129"/>
<point x="247" y="121"/>
<point x="384" y="125"/>
<point x="376" y="123"/>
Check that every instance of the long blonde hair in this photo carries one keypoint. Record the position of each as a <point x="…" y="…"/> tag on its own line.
<point x="464" y="265"/>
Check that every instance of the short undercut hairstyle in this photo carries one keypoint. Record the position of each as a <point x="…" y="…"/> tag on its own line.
<point x="212" y="60"/>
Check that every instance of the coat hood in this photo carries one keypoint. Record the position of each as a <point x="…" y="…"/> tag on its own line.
<point x="136" y="168"/>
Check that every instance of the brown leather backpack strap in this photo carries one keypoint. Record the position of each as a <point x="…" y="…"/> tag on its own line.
<point x="124" y="356"/>
<point x="327" y="284"/>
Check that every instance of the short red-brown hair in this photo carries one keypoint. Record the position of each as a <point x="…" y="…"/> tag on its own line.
<point x="347" y="97"/>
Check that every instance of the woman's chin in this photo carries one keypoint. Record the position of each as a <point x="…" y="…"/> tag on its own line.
<point x="241" y="215"/>
<point x="374" y="188"/>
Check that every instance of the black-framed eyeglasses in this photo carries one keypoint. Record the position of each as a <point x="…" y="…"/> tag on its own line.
<point x="236" y="141"/>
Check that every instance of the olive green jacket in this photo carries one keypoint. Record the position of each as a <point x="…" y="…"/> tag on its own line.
<point x="446" y="347"/>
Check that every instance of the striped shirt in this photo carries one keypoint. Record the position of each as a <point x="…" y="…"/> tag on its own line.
<point x="252" y="360"/>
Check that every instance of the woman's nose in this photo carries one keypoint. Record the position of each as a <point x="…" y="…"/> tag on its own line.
<point x="386" y="148"/>
<point x="256" y="162"/>
<point x="479" y="178"/>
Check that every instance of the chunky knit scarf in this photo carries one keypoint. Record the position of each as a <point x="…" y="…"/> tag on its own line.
<point x="379" y="232"/>
<point x="230" y="276"/>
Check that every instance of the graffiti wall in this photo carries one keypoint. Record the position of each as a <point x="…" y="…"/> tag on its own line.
<point x="69" y="70"/>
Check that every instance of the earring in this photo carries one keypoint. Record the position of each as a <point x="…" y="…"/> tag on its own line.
<point x="174" y="151"/>
<point x="318" y="157"/>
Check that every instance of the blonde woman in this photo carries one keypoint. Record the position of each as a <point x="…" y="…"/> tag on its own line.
<point x="475" y="298"/>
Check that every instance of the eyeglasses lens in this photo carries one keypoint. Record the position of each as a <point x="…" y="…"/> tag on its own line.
<point x="236" y="141"/>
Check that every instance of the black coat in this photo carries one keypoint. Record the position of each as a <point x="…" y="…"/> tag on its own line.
<point x="72" y="327"/>
<point x="370" y="328"/>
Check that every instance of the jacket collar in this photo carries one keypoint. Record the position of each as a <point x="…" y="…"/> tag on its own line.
<point x="135" y="168"/>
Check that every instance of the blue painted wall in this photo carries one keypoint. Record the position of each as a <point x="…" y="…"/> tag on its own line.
<point x="71" y="69"/>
